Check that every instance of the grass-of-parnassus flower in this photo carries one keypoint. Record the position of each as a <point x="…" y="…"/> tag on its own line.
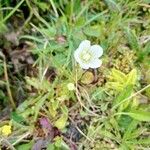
<point x="88" y="55"/>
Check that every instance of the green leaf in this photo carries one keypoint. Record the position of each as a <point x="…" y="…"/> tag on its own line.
<point x="147" y="48"/>
<point x="60" y="144"/>
<point x="132" y="77"/>
<point x="80" y="22"/>
<point x="119" y="80"/>
<point x="43" y="6"/>
<point x="50" y="147"/>
<point x="107" y="134"/>
<point x="136" y="133"/>
<point x="49" y="32"/>
<point x="61" y="122"/>
<point x="98" y="94"/>
<point x="123" y="95"/>
<point x="2" y="95"/>
<point x="64" y="146"/>
<point x="58" y="141"/>
<point x="31" y="38"/>
<point x="124" y="121"/>
<point x="43" y="85"/>
<point x="124" y="146"/>
<point x="64" y="109"/>
<point x="93" y="31"/>
<point x="118" y="76"/>
<point x="3" y="28"/>
<point x="27" y="146"/>
<point x="147" y="92"/>
<point x="146" y="1"/>
<point x="132" y="39"/>
<point x="59" y="60"/>
<point x="1" y="68"/>
<point x="131" y="127"/>
<point x="115" y="85"/>
<point x="139" y="115"/>
<point x="39" y="104"/>
<point x="144" y="141"/>
<point x="17" y="118"/>
<point x="53" y="107"/>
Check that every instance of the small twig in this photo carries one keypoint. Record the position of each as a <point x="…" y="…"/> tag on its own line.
<point x="144" y="39"/>
<point x="6" y="142"/>
<point x="145" y="5"/>
<point x="79" y="99"/>
<point x="7" y="82"/>
<point x="21" y="138"/>
<point x="88" y="98"/>
<point x="8" y="8"/>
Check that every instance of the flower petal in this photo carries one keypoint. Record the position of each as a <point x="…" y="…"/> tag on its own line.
<point x="77" y="54"/>
<point x="96" y="50"/>
<point x="78" y="59"/>
<point x="85" y="45"/>
<point x="95" y="63"/>
<point x="84" y="66"/>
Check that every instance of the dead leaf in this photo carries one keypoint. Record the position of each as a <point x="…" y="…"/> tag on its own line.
<point x="21" y="58"/>
<point x="13" y="38"/>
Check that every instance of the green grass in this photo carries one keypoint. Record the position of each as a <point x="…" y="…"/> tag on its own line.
<point x="109" y="107"/>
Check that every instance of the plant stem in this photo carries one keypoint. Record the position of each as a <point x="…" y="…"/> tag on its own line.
<point x="13" y="11"/>
<point x="54" y="8"/>
<point x="7" y="83"/>
<point x="138" y="92"/>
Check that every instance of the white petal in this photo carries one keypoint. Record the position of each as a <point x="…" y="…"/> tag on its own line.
<point x="85" y="45"/>
<point x="77" y="54"/>
<point x="77" y="58"/>
<point x="95" y="63"/>
<point x="84" y="66"/>
<point x="96" y="50"/>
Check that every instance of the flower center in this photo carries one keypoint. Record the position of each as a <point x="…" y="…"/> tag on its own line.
<point x="86" y="56"/>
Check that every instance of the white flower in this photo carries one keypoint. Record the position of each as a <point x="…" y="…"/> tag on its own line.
<point x="70" y="86"/>
<point x="88" y="56"/>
